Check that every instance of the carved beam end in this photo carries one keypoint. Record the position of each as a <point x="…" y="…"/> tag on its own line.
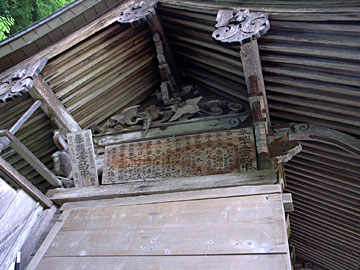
<point x="21" y="81"/>
<point x="236" y="26"/>
<point x="138" y="13"/>
<point x="283" y="150"/>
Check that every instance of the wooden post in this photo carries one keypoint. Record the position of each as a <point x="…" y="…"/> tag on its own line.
<point x="24" y="183"/>
<point x="243" y="28"/>
<point x="145" y="11"/>
<point x="20" y="148"/>
<point x="52" y="106"/>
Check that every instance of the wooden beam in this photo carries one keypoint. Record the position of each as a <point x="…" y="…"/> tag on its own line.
<point x="62" y="195"/>
<point x="155" y="26"/>
<point x="52" y="106"/>
<point x="4" y="141"/>
<point x="20" y="180"/>
<point x="176" y="197"/>
<point x="23" y="151"/>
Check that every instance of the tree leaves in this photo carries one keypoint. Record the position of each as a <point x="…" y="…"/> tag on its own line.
<point x="5" y="25"/>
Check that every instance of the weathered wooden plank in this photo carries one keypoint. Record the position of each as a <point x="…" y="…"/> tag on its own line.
<point x="174" y="197"/>
<point x="254" y="262"/>
<point x="24" y="183"/>
<point x="190" y="126"/>
<point x="35" y="235"/>
<point x="23" y="151"/>
<point x="240" y="225"/>
<point x="7" y="195"/>
<point x="13" y="221"/>
<point x="181" y="156"/>
<point x="21" y="238"/>
<point x="81" y="150"/>
<point x="62" y="195"/>
<point x="4" y="141"/>
<point x="52" y="105"/>
<point x="48" y="240"/>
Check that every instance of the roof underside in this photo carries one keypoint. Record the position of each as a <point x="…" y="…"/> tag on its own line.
<point x="310" y="60"/>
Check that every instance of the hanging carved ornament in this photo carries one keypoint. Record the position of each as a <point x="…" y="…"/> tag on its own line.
<point x="138" y="13"/>
<point x="235" y="26"/>
<point x="21" y="81"/>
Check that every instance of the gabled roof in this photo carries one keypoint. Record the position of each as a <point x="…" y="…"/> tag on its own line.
<point x="51" y="29"/>
<point x="310" y="59"/>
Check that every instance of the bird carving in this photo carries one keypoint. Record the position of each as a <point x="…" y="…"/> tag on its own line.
<point x="189" y="107"/>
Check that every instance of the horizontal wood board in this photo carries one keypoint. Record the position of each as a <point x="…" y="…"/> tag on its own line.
<point x="241" y="231"/>
<point x="181" y="156"/>
<point x="254" y="262"/>
<point x="61" y="195"/>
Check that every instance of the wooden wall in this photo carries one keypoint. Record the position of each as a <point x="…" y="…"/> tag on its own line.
<point x="19" y="214"/>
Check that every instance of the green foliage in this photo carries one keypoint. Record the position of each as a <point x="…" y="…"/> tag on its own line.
<point x="5" y="25"/>
<point x="26" y="12"/>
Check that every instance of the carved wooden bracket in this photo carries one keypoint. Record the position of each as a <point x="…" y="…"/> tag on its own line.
<point x="138" y="13"/>
<point x="282" y="150"/>
<point x="236" y="26"/>
<point x="21" y="81"/>
<point x="309" y="132"/>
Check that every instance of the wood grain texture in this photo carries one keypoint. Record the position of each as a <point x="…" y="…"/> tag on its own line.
<point x="241" y="225"/>
<point x="253" y="262"/>
<point x="62" y="195"/>
<point x="178" y="196"/>
<point x="50" y="237"/>
<point x="7" y="195"/>
<point x="13" y="221"/>
<point x="52" y="104"/>
<point x="24" y="183"/>
<point x="181" y="156"/>
<point x="21" y="238"/>
<point x="37" y="231"/>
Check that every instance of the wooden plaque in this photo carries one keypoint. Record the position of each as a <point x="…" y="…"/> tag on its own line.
<point x="181" y="156"/>
<point x="81" y="150"/>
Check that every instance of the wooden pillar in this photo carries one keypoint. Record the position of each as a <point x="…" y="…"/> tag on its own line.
<point x="235" y="27"/>
<point x="170" y="77"/>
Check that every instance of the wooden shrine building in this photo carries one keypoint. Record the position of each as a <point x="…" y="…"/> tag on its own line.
<point x="182" y="135"/>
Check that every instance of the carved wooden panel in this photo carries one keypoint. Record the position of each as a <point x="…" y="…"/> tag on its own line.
<point x="181" y="156"/>
<point x="81" y="149"/>
<point x="21" y="81"/>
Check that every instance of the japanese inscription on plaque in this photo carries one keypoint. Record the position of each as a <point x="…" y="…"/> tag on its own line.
<point x="181" y="156"/>
<point x="81" y="150"/>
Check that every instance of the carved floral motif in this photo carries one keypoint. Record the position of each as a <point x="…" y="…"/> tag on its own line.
<point x="240" y="26"/>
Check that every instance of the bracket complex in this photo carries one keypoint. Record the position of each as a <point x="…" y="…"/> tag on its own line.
<point x="138" y="13"/>
<point x="19" y="82"/>
<point x="237" y="26"/>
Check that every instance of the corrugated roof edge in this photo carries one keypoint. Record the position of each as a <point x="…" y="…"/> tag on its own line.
<point x="41" y="22"/>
